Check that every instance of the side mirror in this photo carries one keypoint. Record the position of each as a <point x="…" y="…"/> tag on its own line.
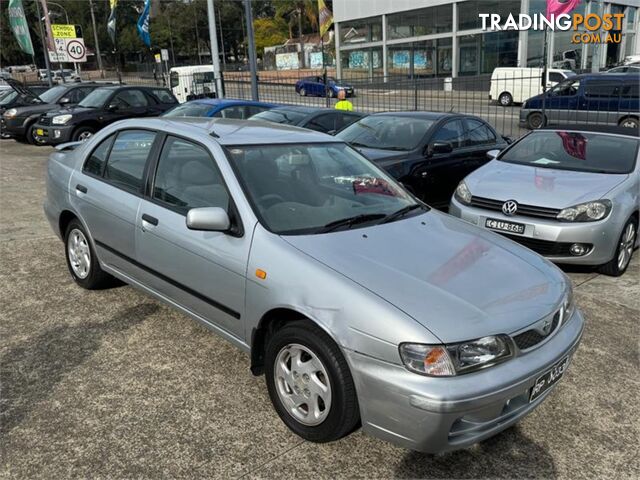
<point x="493" y="154"/>
<point x="112" y="107"/>
<point x="438" y="148"/>
<point x="212" y="219"/>
<point x="64" y="101"/>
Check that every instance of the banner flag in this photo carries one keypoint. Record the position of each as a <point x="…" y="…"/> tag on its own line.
<point x="325" y="17"/>
<point x="111" y="23"/>
<point x="558" y="7"/>
<point x="143" y="24"/>
<point x="19" y="26"/>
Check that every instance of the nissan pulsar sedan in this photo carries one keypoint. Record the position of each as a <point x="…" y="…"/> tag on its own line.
<point x="570" y="194"/>
<point x="360" y="304"/>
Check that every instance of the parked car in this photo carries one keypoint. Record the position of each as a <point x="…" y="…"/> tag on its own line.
<point x="313" y="118"/>
<point x="428" y="152"/>
<point x="604" y="99"/>
<point x="102" y="107"/>
<point x="12" y="98"/>
<point x="571" y="194"/>
<point x="355" y="299"/>
<point x="18" y="123"/>
<point x="218" y="108"/>
<point x="625" y="69"/>
<point x="316" y="86"/>
<point x="515" y="84"/>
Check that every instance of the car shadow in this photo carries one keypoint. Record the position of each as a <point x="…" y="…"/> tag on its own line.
<point x="30" y="370"/>
<point x="509" y="454"/>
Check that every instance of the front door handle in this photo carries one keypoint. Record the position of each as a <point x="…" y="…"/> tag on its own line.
<point x="149" y="219"/>
<point x="81" y="188"/>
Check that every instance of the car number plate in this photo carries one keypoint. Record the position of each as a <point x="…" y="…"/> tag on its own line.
<point x="548" y="379"/>
<point x="503" y="226"/>
<point x="39" y="131"/>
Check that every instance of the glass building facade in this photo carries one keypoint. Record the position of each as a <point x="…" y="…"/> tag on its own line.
<point x="447" y="40"/>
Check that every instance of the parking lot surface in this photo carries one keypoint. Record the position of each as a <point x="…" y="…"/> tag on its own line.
<point x="113" y="384"/>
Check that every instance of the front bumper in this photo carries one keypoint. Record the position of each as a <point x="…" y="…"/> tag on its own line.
<point x="441" y="414"/>
<point x="601" y="235"/>
<point x="12" y="127"/>
<point x="52" y="134"/>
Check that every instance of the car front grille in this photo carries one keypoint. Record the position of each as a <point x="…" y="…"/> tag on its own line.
<point x="523" y="210"/>
<point x="545" y="248"/>
<point x="531" y="338"/>
<point x="44" y="120"/>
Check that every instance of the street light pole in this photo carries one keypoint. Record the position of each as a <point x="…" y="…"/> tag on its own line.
<point x="252" y="50"/>
<point x="213" y="40"/>
<point x="95" y="38"/>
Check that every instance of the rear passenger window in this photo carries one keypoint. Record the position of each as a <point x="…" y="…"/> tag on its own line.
<point x="96" y="161"/>
<point x="187" y="177"/>
<point x="236" y="112"/>
<point x="128" y="157"/>
<point x="452" y="132"/>
<point x="164" y="96"/>
<point x="479" y="133"/>
<point x="323" y="123"/>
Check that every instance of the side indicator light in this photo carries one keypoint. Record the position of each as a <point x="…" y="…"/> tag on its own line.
<point x="261" y="274"/>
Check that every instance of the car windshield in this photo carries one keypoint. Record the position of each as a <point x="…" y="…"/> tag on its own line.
<point x="189" y="110"/>
<point x="289" y="117"/>
<point x="53" y="94"/>
<point x="577" y="151"/>
<point x="388" y="132"/>
<point x="96" y="98"/>
<point x="7" y="97"/>
<point x="316" y="188"/>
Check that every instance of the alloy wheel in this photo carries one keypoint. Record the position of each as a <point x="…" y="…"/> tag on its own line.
<point x="629" y="123"/>
<point x="84" y="136"/>
<point x="79" y="253"/>
<point x="302" y="384"/>
<point x="627" y="241"/>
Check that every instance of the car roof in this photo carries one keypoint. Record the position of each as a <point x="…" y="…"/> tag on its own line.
<point x="227" y="102"/>
<point x="420" y="114"/>
<point x="301" y="109"/>
<point x="604" y="129"/>
<point x="232" y="132"/>
<point x="607" y="76"/>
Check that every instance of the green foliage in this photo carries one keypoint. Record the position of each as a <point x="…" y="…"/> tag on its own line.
<point x="269" y="32"/>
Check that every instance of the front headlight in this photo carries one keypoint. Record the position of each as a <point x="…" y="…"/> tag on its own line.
<point x="462" y="193"/>
<point x="10" y="113"/>
<point x="568" y="305"/>
<point x="586" y="212"/>
<point x="455" y="359"/>
<point x="61" y="119"/>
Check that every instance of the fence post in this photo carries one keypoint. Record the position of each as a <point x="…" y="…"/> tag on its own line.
<point x="415" y="93"/>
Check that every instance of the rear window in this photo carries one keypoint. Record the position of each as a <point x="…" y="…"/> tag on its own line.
<point x="576" y="151"/>
<point x="189" y="110"/>
<point x="288" y="117"/>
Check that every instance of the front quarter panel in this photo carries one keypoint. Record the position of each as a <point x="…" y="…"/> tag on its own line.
<point x="355" y="318"/>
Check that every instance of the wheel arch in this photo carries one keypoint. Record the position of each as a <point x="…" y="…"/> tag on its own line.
<point x="66" y="216"/>
<point x="87" y="123"/>
<point x="269" y="323"/>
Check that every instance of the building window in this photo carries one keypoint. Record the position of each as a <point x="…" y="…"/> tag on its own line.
<point x="468" y="18"/>
<point x="482" y="53"/>
<point x="361" y="31"/>
<point x="366" y="61"/>
<point x="413" y="59"/>
<point x="426" y="21"/>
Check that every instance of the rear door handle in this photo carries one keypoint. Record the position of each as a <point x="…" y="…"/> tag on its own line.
<point x="149" y="219"/>
<point x="81" y="188"/>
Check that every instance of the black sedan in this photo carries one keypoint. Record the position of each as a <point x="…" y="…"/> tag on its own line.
<point x="319" y="119"/>
<point x="428" y="152"/>
<point x="100" y="108"/>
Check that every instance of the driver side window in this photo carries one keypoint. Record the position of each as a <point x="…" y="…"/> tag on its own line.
<point x="452" y="132"/>
<point x="567" y="89"/>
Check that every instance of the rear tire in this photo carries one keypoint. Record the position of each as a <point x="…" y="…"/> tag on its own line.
<point x="303" y="92"/>
<point x="629" y="122"/>
<point x="310" y="384"/>
<point x="505" y="99"/>
<point x="82" y="260"/>
<point x="624" y="250"/>
<point x="535" y="120"/>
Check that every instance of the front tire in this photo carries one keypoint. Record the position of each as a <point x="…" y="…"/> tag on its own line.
<point x="83" y="134"/>
<point x="303" y="92"/>
<point x="624" y="251"/>
<point x="30" y="136"/>
<point x="81" y="258"/>
<point x="629" y="122"/>
<point x="310" y="384"/>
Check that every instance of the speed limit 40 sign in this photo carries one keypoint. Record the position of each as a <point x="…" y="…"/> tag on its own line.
<point x="68" y="50"/>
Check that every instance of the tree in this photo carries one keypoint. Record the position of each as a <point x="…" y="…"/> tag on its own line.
<point x="269" y="32"/>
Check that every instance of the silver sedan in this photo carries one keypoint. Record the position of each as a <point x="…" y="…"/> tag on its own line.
<point x="361" y="305"/>
<point x="572" y="195"/>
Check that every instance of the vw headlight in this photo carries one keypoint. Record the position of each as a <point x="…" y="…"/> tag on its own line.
<point x="455" y="359"/>
<point x="61" y="119"/>
<point x="586" y="212"/>
<point x="462" y="193"/>
<point x="10" y="113"/>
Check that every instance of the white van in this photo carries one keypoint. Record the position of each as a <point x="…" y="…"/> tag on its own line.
<point x="515" y="85"/>
<point x="191" y="82"/>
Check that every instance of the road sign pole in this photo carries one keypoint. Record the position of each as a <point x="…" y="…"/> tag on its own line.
<point x="44" y="46"/>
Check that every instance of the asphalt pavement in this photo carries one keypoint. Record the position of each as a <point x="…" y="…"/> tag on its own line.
<point x="113" y="384"/>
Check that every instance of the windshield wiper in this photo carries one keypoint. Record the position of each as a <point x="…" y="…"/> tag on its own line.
<point x="400" y="213"/>
<point x="350" y="221"/>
